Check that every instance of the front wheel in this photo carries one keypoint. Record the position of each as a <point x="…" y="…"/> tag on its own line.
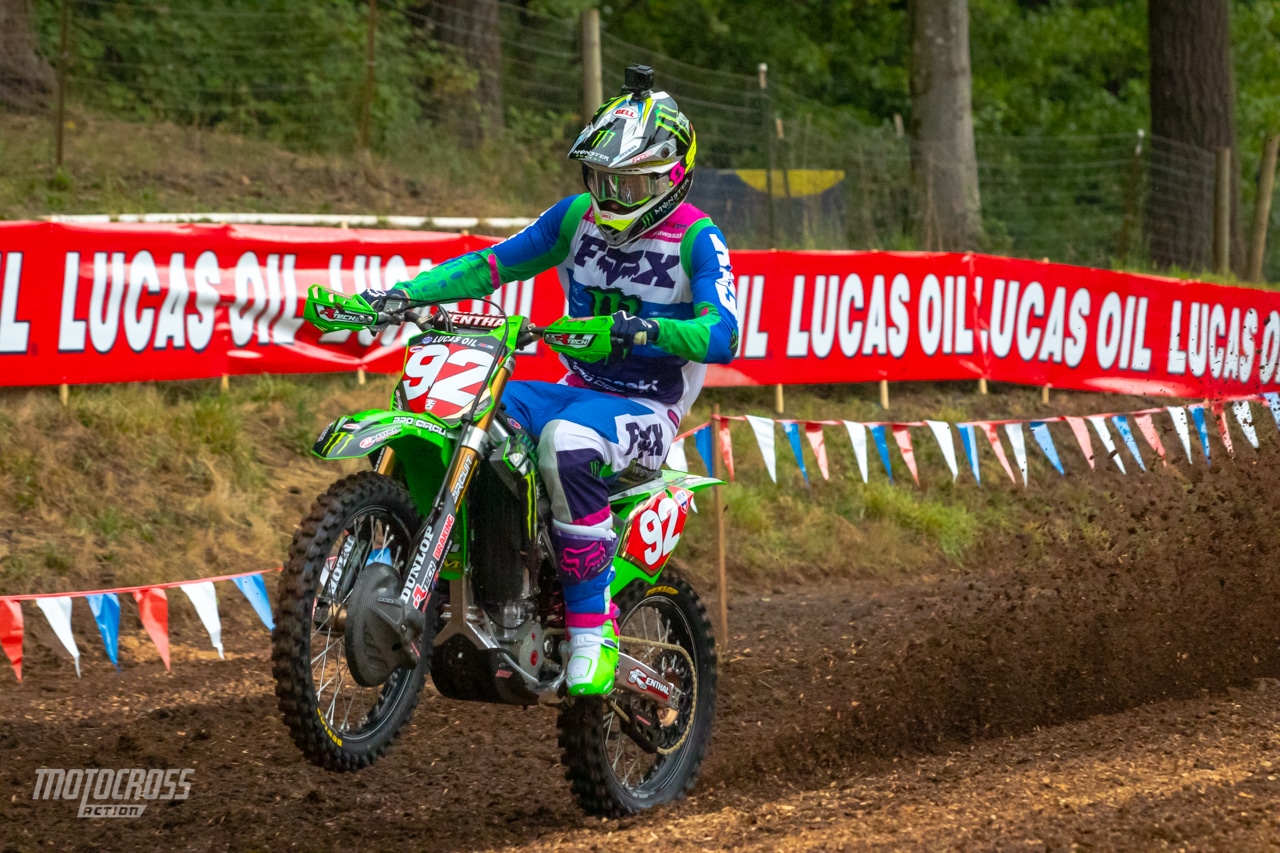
<point x="365" y="520"/>
<point x="622" y="754"/>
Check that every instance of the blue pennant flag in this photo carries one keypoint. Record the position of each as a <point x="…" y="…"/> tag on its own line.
<point x="1040" y="431"/>
<point x="702" y="440"/>
<point x="970" y="449"/>
<point x="255" y="589"/>
<point x="877" y="432"/>
<point x="106" y="612"/>
<point x="1197" y="414"/>
<point x="1122" y="424"/>
<point x="792" y="429"/>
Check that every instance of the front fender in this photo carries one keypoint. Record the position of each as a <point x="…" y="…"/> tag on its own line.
<point x="353" y="436"/>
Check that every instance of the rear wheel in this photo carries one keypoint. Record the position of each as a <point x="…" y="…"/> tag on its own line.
<point x="622" y="753"/>
<point x="363" y="520"/>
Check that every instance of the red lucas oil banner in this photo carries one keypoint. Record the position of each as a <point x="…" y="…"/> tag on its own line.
<point x="115" y="303"/>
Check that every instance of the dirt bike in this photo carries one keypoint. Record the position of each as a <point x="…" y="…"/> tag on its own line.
<point x="438" y="562"/>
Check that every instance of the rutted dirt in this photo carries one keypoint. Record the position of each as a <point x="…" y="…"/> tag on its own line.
<point x="1069" y="688"/>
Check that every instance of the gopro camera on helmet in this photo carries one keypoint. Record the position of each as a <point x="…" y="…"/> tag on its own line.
<point x="638" y="80"/>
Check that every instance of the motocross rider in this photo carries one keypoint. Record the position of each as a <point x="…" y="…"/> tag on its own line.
<point x="632" y="249"/>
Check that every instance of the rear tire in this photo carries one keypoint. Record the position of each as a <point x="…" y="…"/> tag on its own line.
<point x="592" y="744"/>
<point x="337" y="724"/>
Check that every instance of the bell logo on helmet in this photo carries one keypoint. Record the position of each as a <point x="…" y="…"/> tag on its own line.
<point x="627" y="112"/>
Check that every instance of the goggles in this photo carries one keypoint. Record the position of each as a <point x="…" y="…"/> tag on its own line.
<point x="628" y="189"/>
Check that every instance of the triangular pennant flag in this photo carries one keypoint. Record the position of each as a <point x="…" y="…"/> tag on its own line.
<point x="1122" y="424"/>
<point x="726" y="447"/>
<point x="902" y="436"/>
<point x="1273" y="403"/>
<point x="255" y="589"/>
<point x="58" y="611"/>
<point x="153" y="611"/>
<point x="994" y="437"/>
<point x="1179" y="416"/>
<point x="205" y="599"/>
<point x="1220" y="413"/>
<point x="877" y="433"/>
<point x="11" y="633"/>
<point x="676" y="460"/>
<point x="792" y="430"/>
<point x="1040" y="432"/>
<point x="763" y="428"/>
<point x="1019" y="444"/>
<point x="1104" y="435"/>
<point x="942" y="432"/>
<point x="106" y="612"/>
<point x="702" y="441"/>
<point x="1148" y="430"/>
<point x="1081" y="432"/>
<point x="858" y="437"/>
<point x="813" y="432"/>
<point x="1244" y="417"/>
<point x="970" y="449"/>
<point x="1197" y="415"/>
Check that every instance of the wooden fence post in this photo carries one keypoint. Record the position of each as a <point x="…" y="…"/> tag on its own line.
<point x="1222" y="213"/>
<point x="884" y="394"/>
<point x="366" y="96"/>
<point x="1262" y="207"/>
<point x="722" y="583"/>
<point x="63" y="58"/>
<point x="592" y="75"/>
<point x="777" y="398"/>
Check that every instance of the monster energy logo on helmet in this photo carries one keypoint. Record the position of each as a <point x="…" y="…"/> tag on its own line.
<point x="637" y="155"/>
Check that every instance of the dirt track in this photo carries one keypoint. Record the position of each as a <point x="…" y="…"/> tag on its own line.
<point x="784" y="772"/>
<point x="1092" y="685"/>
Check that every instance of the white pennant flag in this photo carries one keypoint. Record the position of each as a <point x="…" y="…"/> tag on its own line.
<point x="1019" y="444"/>
<point x="205" y="599"/>
<point x="1100" y="427"/>
<point x="58" y="611"/>
<point x="858" y="435"/>
<point x="764" y="431"/>
<point x="1244" y="417"/>
<point x="675" y="457"/>
<point x="1183" y="429"/>
<point x="942" y="432"/>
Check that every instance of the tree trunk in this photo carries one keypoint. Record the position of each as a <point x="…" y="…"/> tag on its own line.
<point x="472" y="28"/>
<point x="26" y="80"/>
<point x="944" y="163"/>
<point x="1192" y="104"/>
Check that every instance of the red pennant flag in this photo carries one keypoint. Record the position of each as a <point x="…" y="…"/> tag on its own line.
<point x="11" y="633"/>
<point x="994" y="437"/>
<point x="153" y="610"/>
<point x="903" y="436"/>
<point x="726" y="447"/>
<point x="1081" y="433"/>
<point x="813" y="432"/>
<point x="1148" y="430"/>
<point x="1221" y="414"/>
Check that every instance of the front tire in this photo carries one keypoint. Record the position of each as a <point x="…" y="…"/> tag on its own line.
<point x="338" y="724"/>
<point x="609" y="773"/>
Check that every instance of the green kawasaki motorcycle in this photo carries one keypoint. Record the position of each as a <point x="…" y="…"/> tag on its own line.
<point x="438" y="562"/>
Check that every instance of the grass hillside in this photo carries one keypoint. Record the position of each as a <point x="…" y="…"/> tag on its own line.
<point x="123" y="167"/>
<point x="154" y="482"/>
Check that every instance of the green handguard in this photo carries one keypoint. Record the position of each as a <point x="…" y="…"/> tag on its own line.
<point x="469" y="276"/>
<point x="583" y="338"/>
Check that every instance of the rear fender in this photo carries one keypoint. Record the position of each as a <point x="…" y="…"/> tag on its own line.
<point x="651" y="519"/>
